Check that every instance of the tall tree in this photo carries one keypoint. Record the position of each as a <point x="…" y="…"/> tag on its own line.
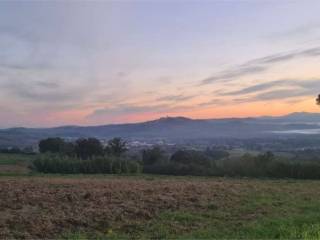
<point x="116" y="146"/>
<point x="53" y="145"/>
<point x="88" y="147"/>
<point x="152" y="156"/>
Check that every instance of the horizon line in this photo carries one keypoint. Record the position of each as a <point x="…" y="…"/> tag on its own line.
<point x="151" y="120"/>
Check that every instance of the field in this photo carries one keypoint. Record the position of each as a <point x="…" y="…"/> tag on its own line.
<point x="14" y="163"/>
<point x="144" y="207"/>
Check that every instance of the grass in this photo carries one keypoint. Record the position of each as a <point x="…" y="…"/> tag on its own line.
<point x="249" y="209"/>
<point x="190" y="225"/>
<point x="13" y="159"/>
<point x="228" y="225"/>
<point x="278" y="210"/>
<point x="15" y="164"/>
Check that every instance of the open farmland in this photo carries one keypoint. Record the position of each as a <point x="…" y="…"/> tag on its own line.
<point x="157" y="207"/>
<point x="15" y="163"/>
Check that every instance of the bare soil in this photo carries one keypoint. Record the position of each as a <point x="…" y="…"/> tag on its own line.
<point x="16" y="169"/>
<point x="47" y="207"/>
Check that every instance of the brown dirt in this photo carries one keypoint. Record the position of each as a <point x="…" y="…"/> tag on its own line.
<point x="17" y="169"/>
<point x="43" y="207"/>
<point x="46" y="207"/>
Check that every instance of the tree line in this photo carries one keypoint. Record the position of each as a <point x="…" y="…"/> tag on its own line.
<point x="83" y="148"/>
<point x="85" y="155"/>
<point x="88" y="155"/>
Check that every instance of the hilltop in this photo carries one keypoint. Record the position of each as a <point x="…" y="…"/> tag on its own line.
<point x="175" y="128"/>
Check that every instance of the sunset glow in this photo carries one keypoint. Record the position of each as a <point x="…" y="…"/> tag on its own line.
<point x="101" y="62"/>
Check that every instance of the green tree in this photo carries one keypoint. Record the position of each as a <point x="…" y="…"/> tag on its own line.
<point x="152" y="155"/>
<point x="263" y="160"/>
<point x="88" y="147"/>
<point x="116" y="147"/>
<point x="53" y="145"/>
<point x="68" y="149"/>
<point x="191" y="157"/>
<point x="216" y="154"/>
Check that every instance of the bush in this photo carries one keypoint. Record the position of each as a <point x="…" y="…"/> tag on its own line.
<point x="52" y="163"/>
<point x="182" y="162"/>
<point x="89" y="156"/>
<point x="153" y="156"/>
<point x="191" y="157"/>
<point x="267" y="165"/>
<point x="216" y="154"/>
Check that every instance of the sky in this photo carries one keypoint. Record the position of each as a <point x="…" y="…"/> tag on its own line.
<point x="100" y="62"/>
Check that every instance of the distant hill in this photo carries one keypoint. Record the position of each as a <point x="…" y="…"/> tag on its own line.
<point x="302" y="117"/>
<point x="174" y="128"/>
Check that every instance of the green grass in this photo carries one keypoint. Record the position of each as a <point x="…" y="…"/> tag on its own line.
<point x="261" y="214"/>
<point x="184" y="225"/>
<point x="15" y="164"/>
<point x="276" y="209"/>
<point x="13" y="159"/>
<point x="294" y="220"/>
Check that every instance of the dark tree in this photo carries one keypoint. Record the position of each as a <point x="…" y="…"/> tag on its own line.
<point x="191" y="157"/>
<point x="318" y="100"/>
<point x="11" y="150"/>
<point x="88" y="147"/>
<point x="263" y="160"/>
<point x="53" y="145"/>
<point x="116" y="147"/>
<point x="69" y="149"/>
<point x="216" y="154"/>
<point x="152" y="156"/>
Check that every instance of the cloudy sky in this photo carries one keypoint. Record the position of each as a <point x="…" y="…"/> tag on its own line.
<point x="98" y="62"/>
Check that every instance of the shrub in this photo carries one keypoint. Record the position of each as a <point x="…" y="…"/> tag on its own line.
<point x="267" y="165"/>
<point x="191" y="157"/>
<point x="152" y="156"/>
<point x="182" y="162"/>
<point x="52" y="163"/>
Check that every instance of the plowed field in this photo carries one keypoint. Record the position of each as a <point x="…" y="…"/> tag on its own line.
<point x="147" y="207"/>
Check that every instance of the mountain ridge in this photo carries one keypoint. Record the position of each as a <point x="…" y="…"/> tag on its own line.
<point x="175" y="129"/>
<point x="180" y="118"/>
